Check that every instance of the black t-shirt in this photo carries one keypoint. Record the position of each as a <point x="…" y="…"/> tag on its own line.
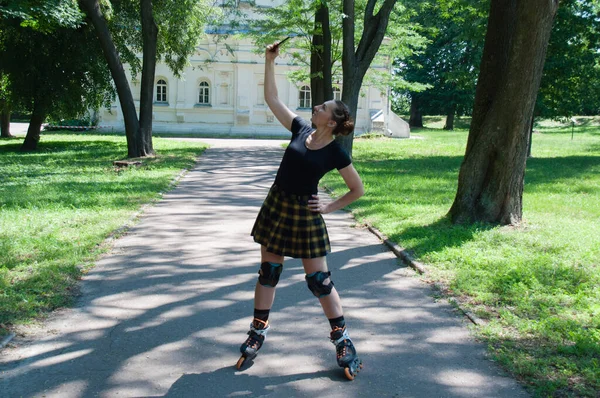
<point x="302" y="168"/>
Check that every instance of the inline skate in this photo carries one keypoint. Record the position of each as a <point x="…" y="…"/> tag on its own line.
<point x="256" y="337"/>
<point x="345" y="352"/>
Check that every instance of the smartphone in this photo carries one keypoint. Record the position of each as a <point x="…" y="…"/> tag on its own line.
<point x="280" y="43"/>
<point x="283" y="41"/>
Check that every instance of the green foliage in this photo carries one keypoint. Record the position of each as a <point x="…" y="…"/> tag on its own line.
<point x="181" y="26"/>
<point x="59" y="204"/>
<point x="571" y="81"/>
<point x="449" y="66"/>
<point x="180" y="23"/>
<point x="44" y="15"/>
<point x="41" y="17"/>
<point x="61" y="70"/>
<point x="296" y="18"/>
<point x="4" y="93"/>
<point x="403" y="39"/>
<point x="537" y="285"/>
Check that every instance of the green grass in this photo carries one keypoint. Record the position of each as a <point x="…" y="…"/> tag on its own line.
<point x="538" y="284"/>
<point x="59" y="204"/>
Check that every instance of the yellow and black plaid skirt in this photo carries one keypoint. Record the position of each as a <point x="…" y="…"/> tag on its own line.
<point x="286" y="226"/>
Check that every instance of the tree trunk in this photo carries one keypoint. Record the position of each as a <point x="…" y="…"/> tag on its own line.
<point x="490" y="182"/>
<point x="321" y="87"/>
<point x="416" y="118"/>
<point x="530" y="138"/>
<point x="4" y="120"/>
<point x="149" y="37"/>
<point x="35" y="127"/>
<point x="350" y="95"/>
<point x="356" y="63"/>
<point x="132" y="126"/>
<point x="450" y="118"/>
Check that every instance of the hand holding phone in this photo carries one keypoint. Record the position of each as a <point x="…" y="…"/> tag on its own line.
<point x="276" y="45"/>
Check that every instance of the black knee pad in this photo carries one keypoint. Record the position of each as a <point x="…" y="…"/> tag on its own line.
<point x="268" y="275"/>
<point x="316" y="285"/>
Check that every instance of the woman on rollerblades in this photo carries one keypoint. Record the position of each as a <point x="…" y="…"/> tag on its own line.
<point x="290" y="223"/>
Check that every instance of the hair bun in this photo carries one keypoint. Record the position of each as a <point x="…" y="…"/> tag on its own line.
<point x="341" y="115"/>
<point x="348" y="127"/>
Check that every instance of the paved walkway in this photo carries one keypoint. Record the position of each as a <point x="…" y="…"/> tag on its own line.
<point x="165" y="312"/>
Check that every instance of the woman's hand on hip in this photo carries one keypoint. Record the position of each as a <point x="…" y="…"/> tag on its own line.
<point x="316" y="206"/>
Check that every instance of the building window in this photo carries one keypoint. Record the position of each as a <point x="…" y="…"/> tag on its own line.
<point x="304" y="97"/>
<point x="337" y="93"/>
<point x="161" y="91"/>
<point x="204" y="93"/>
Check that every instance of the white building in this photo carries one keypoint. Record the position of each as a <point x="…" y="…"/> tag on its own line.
<point x="221" y="93"/>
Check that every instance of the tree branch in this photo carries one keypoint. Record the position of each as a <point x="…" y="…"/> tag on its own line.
<point x="373" y="33"/>
<point x="348" y="58"/>
<point x="369" y="10"/>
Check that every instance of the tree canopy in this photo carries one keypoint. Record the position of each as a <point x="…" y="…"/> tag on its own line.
<point x="295" y="18"/>
<point x="180" y="26"/>
<point x="450" y="63"/>
<point x="571" y="81"/>
<point x="43" y="15"/>
<point x="51" y="65"/>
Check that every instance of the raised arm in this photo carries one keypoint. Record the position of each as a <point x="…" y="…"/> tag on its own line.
<point x="279" y="109"/>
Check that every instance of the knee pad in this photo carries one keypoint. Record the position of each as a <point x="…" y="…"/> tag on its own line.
<point x="316" y="285"/>
<point x="268" y="275"/>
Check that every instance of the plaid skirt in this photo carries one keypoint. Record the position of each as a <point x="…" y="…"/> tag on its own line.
<point x="286" y="226"/>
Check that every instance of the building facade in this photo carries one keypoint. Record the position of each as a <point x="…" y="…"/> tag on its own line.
<point x="221" y="93"/>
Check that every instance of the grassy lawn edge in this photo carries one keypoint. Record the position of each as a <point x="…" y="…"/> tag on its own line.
<point x="63" y="206"/>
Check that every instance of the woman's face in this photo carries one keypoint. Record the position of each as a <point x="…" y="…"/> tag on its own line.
<point x="323" y="114"/>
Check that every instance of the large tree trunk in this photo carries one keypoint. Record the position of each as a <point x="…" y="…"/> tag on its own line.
<point x="416" y="117"/>
<point x="530" y="137"/>
<point x="348" y="70"/>
<point x="149" y="37"/>
<point x="490" y="182"/>
<point x="321" y="87"/>
<point x="450" y="117"/>
<point x="132" y="126"/>
<point x="4" y="120"/>
<point x="350" y="95"/>
<point x="355" y="63"/>
<point x="35" y="127"/>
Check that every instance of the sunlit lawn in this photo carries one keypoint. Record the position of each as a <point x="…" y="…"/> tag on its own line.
<point x="57" y="206"/>
<point x="538" y="285"/>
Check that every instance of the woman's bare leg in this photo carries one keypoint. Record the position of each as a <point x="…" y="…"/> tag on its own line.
<point x="263" y="301"/>
<point x="265" y="295"/>
<point x="332" y="305"/>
